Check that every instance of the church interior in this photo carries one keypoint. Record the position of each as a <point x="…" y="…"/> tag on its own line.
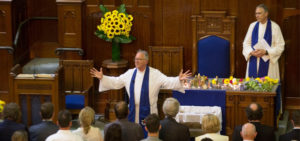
<point x="47" y="48"/>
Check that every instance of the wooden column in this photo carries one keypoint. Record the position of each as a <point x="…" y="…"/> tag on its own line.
<point x="6" y="49"/>
<point x="113" y="69"/>
<point x="70" y="23"/>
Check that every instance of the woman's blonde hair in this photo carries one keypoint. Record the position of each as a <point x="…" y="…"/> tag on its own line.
<point x="86" y="118"/>
<point x="210" y="123"/>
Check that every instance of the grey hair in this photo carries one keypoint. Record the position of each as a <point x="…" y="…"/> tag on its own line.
<point x="263" y="7"/>
<point x="144" y="52"/>
<point x="248" y="129"/>
<point x="171" y="107"/>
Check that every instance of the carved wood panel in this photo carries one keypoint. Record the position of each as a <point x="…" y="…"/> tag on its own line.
<point x="5" y="25"/>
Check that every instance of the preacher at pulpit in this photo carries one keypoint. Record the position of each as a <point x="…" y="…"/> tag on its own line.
<point x="263" y="46"/>
<point x="142" y="84"/>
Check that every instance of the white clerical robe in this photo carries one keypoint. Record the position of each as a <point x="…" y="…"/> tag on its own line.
<point x="157" y="80"/>
<point x="274" y="51"/>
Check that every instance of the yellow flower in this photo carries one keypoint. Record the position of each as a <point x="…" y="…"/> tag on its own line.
<point x="102" y="20"/>
<point x="276" y="81"/>
<point x="214" y="81"/>
<point x="258" y="79"/>
<point x="226" y="81"/>
<point x="121" y="15"/>
<point x="107" y="14"/>
<point x="2" y="103"/>
<point x="121" y="26"/>
<point x="247" y="79"/>
<point x="130" y="18"/>
<point x="115" y="12"/>
<point x="231" y="77"/>
<point x="110" y="35"/>
<point x="99" y="27"/>
<point x="117" y="32"/>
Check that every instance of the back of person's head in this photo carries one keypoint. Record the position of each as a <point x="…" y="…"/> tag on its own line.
<point x="248" y="131"/>
<point x="86" y="118"/>
<point x="19" y="135"/>
<point x="296" y="118"/>
<point x="113" y="133"/>
<point x="12" y="112"/>
<point x="64" y="118"/>
<point x="121" y="110"/>
<point x="47" y="109"/>
<point x="152" y="123"/>
<point x="210" y="124"/>
<point x="171" y="107"/>
<point x="254" y="112"/>
<point x="206" y="139"/>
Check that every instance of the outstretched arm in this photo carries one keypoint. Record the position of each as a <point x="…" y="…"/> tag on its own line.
<point x="95" y="73"/>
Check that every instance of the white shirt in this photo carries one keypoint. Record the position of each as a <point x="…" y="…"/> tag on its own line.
<point x="277" y="47"/>
<point x="64" y="135"/>
<point x="157" y="80"/>
<point x="93" y="134"/>
<point x="213" y="136"/>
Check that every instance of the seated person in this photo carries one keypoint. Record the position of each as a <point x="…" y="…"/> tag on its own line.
<point x="41" y="131"/>
<point x="130" y="131"/>
<point x="152" y="127"/>
<point x="295" y="133"/>
<point x="248" y="132"/>
<point x="211" y="126"/>
<point x="86" y="131"/>
<point x="64" y="134"/>
<point x="254" y="114"/>
<point x="19" y="135"/>
<point x="12" y="115"/>
<point x="113" y="133"/>
<point x="170" y="129"/>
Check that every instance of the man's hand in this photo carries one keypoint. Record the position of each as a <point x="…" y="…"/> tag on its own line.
<point x="95" y="73"/>
<point x="258" y="53"/>
<point x="184" y="76"/>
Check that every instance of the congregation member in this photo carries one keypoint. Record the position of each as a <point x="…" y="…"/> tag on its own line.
<point x="248" y="132"/>
<point x="211" y="127"/>
<point x="130" y="131"/>
<point x="295" y="133"/>
<point x="12" y="115"/>
<point x="171" y="130"/>
<point x="263" y="45"/>
<point x="20" y="135"/>
<point x="41" y="131"/>
<point x="64" y="133"/>
<point x="254" y="114"/>
<point x="152" y="127"/>
<point x="142" y="84"/>
<point x="113" y="133"/>
<point x="86" y="130"/>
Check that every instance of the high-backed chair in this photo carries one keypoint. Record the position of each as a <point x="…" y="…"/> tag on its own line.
<point x="213" y="44"/>
<point x="78" y="90"/>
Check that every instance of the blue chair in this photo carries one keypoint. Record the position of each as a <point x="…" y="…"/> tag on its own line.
<point x="78" y="85"/>
<point x="213" y="44"/>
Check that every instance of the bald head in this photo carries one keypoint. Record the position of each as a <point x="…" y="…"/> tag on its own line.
<point x="248" y="131"/>
<point x="254" y="112"/>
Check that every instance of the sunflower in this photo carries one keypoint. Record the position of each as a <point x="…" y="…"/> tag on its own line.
<point x="226" y="81"/>
<point x="130" y="18"/>
<point x="110" y="35"/>
<point x="115" y="12"/>
<point x="107" y="14"/>
<point x="121" y="15"/>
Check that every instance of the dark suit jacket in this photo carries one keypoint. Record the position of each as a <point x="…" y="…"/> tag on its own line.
<point x="293" y="135"/>
<point x="173" y="131"/>
<point x="130" y="131"/>
<point x="264" y="133"/>
<point x="41" y="131"/>
<point x="8" y="127"/>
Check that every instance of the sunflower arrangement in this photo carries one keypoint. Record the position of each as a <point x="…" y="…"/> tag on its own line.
<point x="115" y="27"/>
<point x="2" y="103"/>
<point x="261" y="84"/>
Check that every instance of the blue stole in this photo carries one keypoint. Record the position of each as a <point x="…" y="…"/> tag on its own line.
<point x="263" y="66"/>
<point x="144" y="99"/>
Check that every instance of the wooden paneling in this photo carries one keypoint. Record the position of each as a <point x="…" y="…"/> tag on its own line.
<point x="6" y="60"/>
<point x="291" y="33"/>
<point x="5" y="24"/>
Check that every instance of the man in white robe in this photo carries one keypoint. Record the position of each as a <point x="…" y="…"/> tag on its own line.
<point x="157" y="80"/>
<point x="263" y="49"/>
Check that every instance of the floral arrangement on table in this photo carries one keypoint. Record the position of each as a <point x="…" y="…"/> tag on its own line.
<point x="258" y="84"/>
<point x="2" y="103"/>
<point x="115" y="27"/>
<point x="261" y="84"/>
